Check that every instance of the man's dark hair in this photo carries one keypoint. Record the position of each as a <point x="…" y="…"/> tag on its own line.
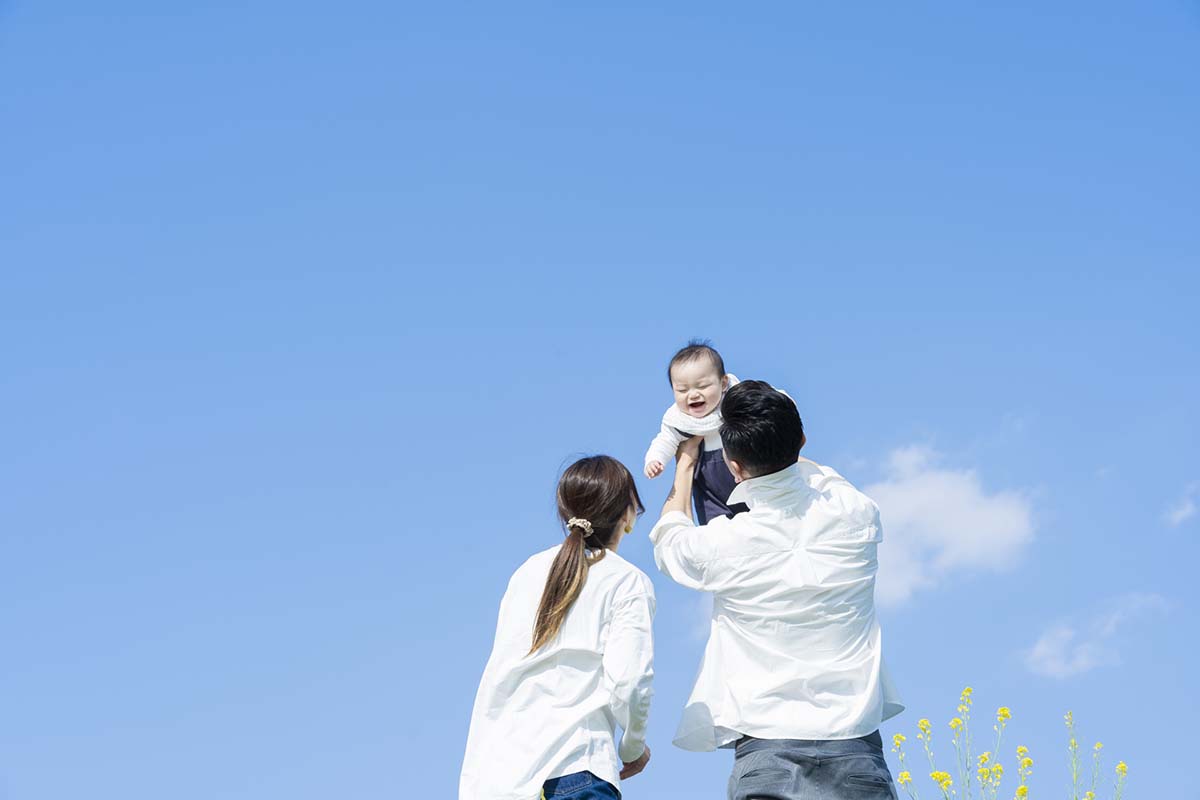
<point x="761" y="430"/>
<point x="697" y="348"/>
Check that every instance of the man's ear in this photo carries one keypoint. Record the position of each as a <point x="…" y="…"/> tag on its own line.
<point x="803" y="440"/>
<point x="736" y="470"/>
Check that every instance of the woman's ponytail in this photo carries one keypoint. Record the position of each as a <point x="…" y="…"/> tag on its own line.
<point x="567" y="575"/>
<point x="594" y="495"/>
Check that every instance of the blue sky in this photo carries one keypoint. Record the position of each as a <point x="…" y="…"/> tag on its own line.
<point x="303" y="309"/>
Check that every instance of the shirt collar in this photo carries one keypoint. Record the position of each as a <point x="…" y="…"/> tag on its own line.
<point x="756" y="490"/>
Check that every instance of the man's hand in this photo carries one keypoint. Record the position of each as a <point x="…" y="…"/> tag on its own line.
<point x="631" y="768"/>
<point x="654" y="469"/>
<point x="690" y="450"/>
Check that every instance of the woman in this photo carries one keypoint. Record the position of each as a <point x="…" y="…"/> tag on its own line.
<point x="573" y="657"/>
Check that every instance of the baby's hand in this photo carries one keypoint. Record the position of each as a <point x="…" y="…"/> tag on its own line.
<point x="654" y="469"/>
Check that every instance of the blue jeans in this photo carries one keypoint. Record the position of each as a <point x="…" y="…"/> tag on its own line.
<point x="811" y="769"/>
<point x="579" y="786"/>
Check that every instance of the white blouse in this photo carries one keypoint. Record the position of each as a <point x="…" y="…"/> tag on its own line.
<point x="794" y="649"/>
<point x="554" y="712"/>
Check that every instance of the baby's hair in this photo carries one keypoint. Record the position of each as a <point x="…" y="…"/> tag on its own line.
<point x="697" y="348"/>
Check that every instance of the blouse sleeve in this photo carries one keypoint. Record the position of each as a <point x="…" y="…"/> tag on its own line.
<point x="629" y="668"/>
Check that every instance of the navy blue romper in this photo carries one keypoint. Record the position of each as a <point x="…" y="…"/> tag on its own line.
<point x="711" y="484"/>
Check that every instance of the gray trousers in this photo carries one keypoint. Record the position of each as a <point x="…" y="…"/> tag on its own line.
<point x="811" y="769"/>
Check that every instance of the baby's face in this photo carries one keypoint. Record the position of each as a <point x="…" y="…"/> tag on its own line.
<point x="697" y="386"/>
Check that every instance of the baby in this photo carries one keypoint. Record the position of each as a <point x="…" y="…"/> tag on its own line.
<point x="697" y="375"/>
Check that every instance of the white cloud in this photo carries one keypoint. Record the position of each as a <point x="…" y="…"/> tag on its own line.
<point x="1184" y="509"/>
<point x="1061" y="653"/>
<point x="938" y="520"/>
<point x="1064" y="649"/>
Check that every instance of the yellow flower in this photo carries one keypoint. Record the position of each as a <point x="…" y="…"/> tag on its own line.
<point x="1098" y="747"/>
<point x="1122" y="769"/>
<point x="1022" y="791"/>
<point x="955" y="723"/>
<point x="997" y="771"/>
<point x="1073" y="744"/>
<point x="962" y="709"/>
<point x="1026" y="762"/>
<point x="1022" y="751"/>
<point x="966" y="693"/>
<point x="904" y="778"/>
<point x="924" y="725"/>
<point x="1003" y="714"/>
<point x="1089" y="796"/>
<point x="983" y="774"/>
<point x="942" y="779"/>
<point x="898" y="740"/>
<point x="983" y="758"/>
<point x="1069" y="717"/>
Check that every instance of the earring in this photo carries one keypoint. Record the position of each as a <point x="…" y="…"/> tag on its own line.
<point x="629" y="529"/>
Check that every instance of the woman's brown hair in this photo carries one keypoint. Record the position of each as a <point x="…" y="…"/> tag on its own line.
<point x="598" y="491"/>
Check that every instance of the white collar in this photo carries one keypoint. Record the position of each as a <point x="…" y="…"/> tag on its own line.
<point x="764" y="488"/>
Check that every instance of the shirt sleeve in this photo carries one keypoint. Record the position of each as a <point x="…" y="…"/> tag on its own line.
<point x="680" y="549"/>
<point x="664" y="445"/>
<point x="629" y="669"/>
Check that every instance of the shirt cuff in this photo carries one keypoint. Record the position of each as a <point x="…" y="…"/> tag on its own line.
<point x="668" y="520"/>
<point x="630" y="749"/>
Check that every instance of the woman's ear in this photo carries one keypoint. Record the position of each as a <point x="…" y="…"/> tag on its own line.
<point x="630" y="518"/>
<point x="803" y="440"/>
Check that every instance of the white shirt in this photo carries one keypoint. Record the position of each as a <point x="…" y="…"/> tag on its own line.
<point x="553" y="712"/>
<point x="794" y="648"/>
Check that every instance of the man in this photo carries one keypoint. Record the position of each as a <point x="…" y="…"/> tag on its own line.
<point x="793" y="674"/>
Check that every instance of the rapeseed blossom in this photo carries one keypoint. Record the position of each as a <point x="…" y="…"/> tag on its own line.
<point x="1122" y="772"/>
<point x="989" y="767"/>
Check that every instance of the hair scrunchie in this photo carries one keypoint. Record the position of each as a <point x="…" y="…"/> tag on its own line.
<point x="582" y="524"/>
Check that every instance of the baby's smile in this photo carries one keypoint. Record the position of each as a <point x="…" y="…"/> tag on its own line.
<point x="698" y="385"/>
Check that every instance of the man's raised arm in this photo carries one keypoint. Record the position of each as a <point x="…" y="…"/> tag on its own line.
<point x="677" y="541"/>
<point x="680" y="496"/>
